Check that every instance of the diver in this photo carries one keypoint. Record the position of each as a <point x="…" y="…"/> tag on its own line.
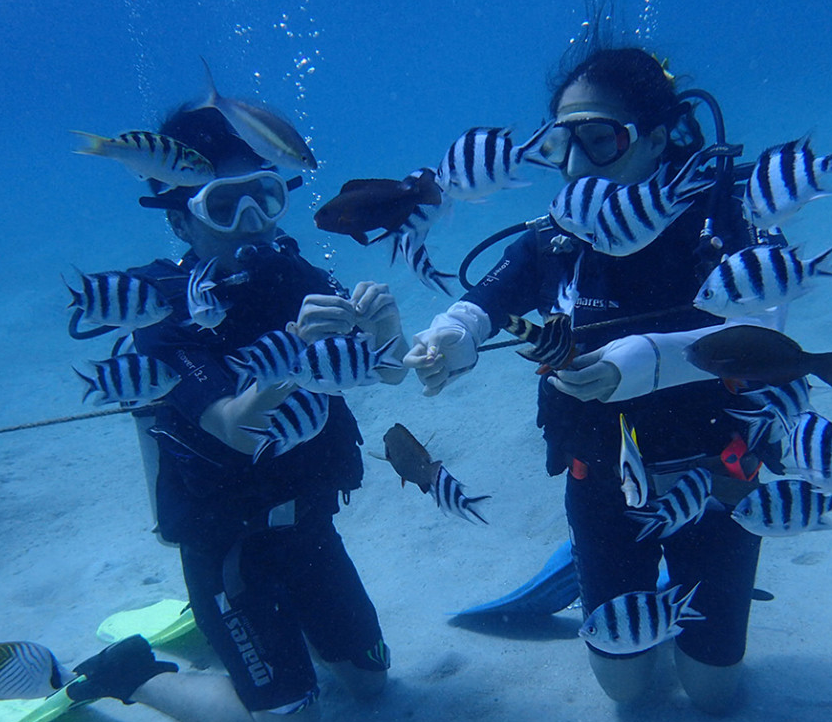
<point x="618" y="117"/>
<point x="269" y="580"/>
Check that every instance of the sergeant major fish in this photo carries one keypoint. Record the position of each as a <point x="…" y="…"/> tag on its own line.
<point x="150" y="155"/>
<point x="271" y="359"/>
<point x="206" y="310"/>
<point x="686" y="501"/>
<point x="783" y="507"/>
<point x="118" y="299"/>
<point x="810" y="443"/>
<point x="576" y="208"/>
<point x="758" y="278"/>
<point x="128" y="379"/>
<point x="480" y="162"/>
<point x="337" y="363"/>
<point x="29" y="670"/>
<point x="412" y="462"/>
<point x="300" y="417"/>
<point x="270" y="136"/>
<point x="784" y="179"/>
<point x="633" y="216"/>
<point x="634" y="481"/>
<point x="637" y="621"/>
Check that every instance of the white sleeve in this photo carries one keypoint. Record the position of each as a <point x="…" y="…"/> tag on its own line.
<point x="456" y="334"/>
<point x="657" y="361"/>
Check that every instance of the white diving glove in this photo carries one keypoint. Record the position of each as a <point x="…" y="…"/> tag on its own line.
<point x="448" y="348"/>
<point x="632" y="366"/>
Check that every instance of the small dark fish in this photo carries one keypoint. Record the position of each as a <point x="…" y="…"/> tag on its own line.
<point x="551" y="344"/>
<point x="364" y="205"/>
<point x="756" y="353"/>
<point x="29" y="670"/>
<point x="410" y="459"/>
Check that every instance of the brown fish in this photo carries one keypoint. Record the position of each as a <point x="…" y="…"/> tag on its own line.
<point x="552" y="344"/>
<point x="410" y="459"/>
<point x="367" y="204"/>
<point x="754" y="353"/>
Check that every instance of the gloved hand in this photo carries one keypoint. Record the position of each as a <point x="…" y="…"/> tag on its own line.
<point x="118" y="671"/>
<point x="376" y="311"/>
<point x="588" y="378"/>
<point x="323" y="315"/>
<point x="448" y="348"/>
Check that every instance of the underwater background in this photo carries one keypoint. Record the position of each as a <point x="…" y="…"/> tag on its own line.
<point x="381" y="88"/>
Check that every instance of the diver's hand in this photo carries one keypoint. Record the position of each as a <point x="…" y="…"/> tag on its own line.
<point x="322" y="316"/>
<point x="588" y="378"/>
<point x="376" y="313"/>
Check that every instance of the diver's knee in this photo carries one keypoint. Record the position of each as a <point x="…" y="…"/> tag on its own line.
<point x="623" y="679"/>
<point x="712" y="689"/>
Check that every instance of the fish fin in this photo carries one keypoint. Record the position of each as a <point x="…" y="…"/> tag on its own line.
<point x="379" y="238"/>
<point x="822" y="367"/>
<point x="376" y="455"/>
<point x="821" y="264"/>
<point x="163" y="188"/>
<point x="361" y="237"/>
<point x="382" y="359"/>
<point x="648" y="519"/>
<point x="429" y="191"/>
<point x="94" y="144"/>
<point x="467" y="504"/>
<point x="93" y="386"/>
<point x="213" y="96"/>
<point x="735" y="385"/>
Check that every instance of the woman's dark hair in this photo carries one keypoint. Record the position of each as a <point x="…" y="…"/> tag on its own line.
<point x="639" y="82"/>
<point x="206" y="131"/>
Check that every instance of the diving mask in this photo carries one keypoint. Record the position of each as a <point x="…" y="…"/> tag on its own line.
<point x="220" y="204"/>
<point x="603" y="140"/>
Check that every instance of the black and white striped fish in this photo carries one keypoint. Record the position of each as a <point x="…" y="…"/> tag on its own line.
<point x="551" y="344"/>
<point x="631" y="469"/>
<point x="758" y="278"/>
<point x="299" y="418"/>
<point x="633" y="216"/>
<point x="637" y="621"/>
<point x="270" y="360"/>
<point x="150" y="155"/>
<point x="575" y="209"/>
<point x="128" y="378"/>
<point x="784" y="179"/>
<point x="686" y="501"/>
<point x="118" y="299"/>
<point x="480" y="162"/>
<point x="810" y="444"/>
<point x="337" y="363"/>
<point x="447" y="492"/>
<point x="206" y="310"/>
<point x="29" y="670"/>
<point x="537" y="149"/>
<point x="784" y="507"/>
<point x="779" y="408"/>
<point x="415" y="254"/>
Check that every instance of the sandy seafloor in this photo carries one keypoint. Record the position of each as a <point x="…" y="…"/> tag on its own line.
<point x="74" y="514"/>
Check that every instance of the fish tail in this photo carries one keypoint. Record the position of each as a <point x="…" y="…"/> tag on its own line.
<point x="649" y="520"/>
<point x="93" y="387"/>
<point x="212" y="95"/>
<point x="438" y="277"/>
<point x="822" y="367"/>
<point x="265" y="440"/>
<point x="381" y="357"/>
<point x="92" y="144"/>
<point x="684" y="610"/>
<point x="821" y="265"/>
<point x="241" y="368"/>
<point x="684" y="185"/>
<point x="759" y="421"/>
<point x="468" y="502"/>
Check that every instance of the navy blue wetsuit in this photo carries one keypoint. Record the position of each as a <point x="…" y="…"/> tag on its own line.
<point x="257" y="589"/>
<point x="649" y="291"/>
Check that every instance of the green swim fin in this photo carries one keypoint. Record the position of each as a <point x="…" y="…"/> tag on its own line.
<point x="158" y="623"/>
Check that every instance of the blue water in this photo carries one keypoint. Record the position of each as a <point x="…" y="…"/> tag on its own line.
<point x="381" y="88"/>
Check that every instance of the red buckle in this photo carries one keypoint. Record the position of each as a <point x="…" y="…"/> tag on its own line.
<point x="732" y="456"/>
<point x="578" y="469"/>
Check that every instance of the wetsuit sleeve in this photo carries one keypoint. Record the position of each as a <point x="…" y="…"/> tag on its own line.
<point x="204" y="377"/>
<point x="512" y="285"/>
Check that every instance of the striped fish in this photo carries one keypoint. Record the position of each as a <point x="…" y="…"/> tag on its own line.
<point x="299" y="418"/>
<point x="447" y="492"/>
<point x="127" y="379"/>
<point x="551" y="344"/>
<point x="537" y="149"/>
<point x="631" y="468"/>
<point x="270" y="136"/>
<point x="758" y="278"/>
<point x="783" y="507"/>
<point x="637" y="621"/>
<point x="784" y="179"/>
<point x="205" y="309"/>
<point x="337" y="363"/>
<point x="780" y="407"/>
<point x="633" y="216"/>
<point x="685" y="501"/>
<point x="29" y="670"/>
<point x="480" y="162"/>
<point x="270" y="360"/>
<point x="576" y="208"/>
<point x="150" y="155"/>
<point x="415" y="254"/>
<point x="118" y="299"/>
<point x="810" y="444"/>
